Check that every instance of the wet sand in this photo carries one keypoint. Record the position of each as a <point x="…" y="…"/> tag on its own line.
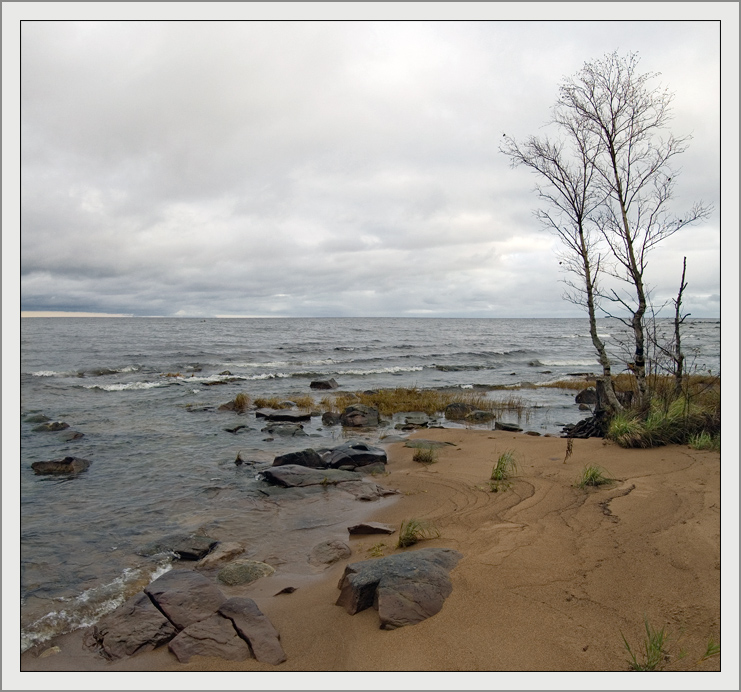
<point x="551" y="575"/>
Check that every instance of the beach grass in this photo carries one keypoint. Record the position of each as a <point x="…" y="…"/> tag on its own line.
<point x="652" y="654"/>
<point x="414" y="530"/>
<point x="592" y="476"/>
<point x="425" y="455"/>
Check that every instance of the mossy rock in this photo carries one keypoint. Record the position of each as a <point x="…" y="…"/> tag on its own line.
<point x="244" y="572"/>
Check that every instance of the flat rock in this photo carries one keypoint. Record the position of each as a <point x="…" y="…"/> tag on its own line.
<point x="63" y="466"/>
<point x="214" y="636"/>
<point x="329" y="552"/>
<point x="360" y="416"/>
<point x="507" y="427"/>
<point x="244" y="572"/>
<point x="285" y="429"/>
<point x="371" y="527"/>
<point x="223" y="552"/>
<point x="293" y="476"/>
<point x="405" y="588"/>
<point x="132" y="628"/>
<point x="71" y="435"/>
<point x="185" y="546"/>
<point x="185" y="596"/>
<point x="283" y="415"/>
<point x="253" y="626"/>
<point x="353" y="454"/>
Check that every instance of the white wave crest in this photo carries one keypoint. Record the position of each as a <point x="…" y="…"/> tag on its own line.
<point x="122" y="386"/>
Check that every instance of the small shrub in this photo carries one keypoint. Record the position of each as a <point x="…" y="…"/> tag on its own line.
<point x="592" y="476"/>
<point x="425" y="455"/>
<point x="415" y="530"/>
<point x="504" y="467"/>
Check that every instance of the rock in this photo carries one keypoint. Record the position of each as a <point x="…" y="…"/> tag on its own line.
<point x="534" y="433"/>
<point x="353" y="454"/>
<point x="309" y="458"/>
<point x="587" y="396"/>
<point x="360" y="416"/>
<point x="285" y="429"/>
<point x="51" y="427"/>
<point x="329" y="552"/>
<point x="214" y="636"/>
<point x="36" y="418"/>
<point x="416" y="419"/>
<point x="331" y="418"/>
<point x="480" y="416"/>
<point x="368" y="527"/>
<point x="244" y="572"/>
<point x="63" y="466"/>
<point x="51" y="651"/>
<point x="283" y="415"/>
<point x="405" y="588"/>
<point x="236" y="429"/>
<point x="225" y="372"/>
<point x="132" y="628"/>
<point x="184" y="596"/>
<point x="71" y="435"/>
<point x="294" y="476"/>
<point x="372" y="469"/>
<point x="324" y="384"/>
<point x="185" y="546"/>
<point x="288" y="589"/>
<point x="367" y="491"/>
<point x="222" y="553"/>
<point x="508" y="427"/>
<point x="458" y="410"/>
<point x="595" y="426"/>
<point x="585" y="407"/>
<point x="253" y="626"/>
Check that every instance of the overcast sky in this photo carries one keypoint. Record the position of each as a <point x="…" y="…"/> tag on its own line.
<point x="326" y="168"/>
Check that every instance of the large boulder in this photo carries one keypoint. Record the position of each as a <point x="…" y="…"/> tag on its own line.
<point x="360" y="416"/>
<point x="253" y="626"/>
<point x="587" y="396"/>
<point x="214" y="636"/>
<point x="353" y="454"/>
<point x="68" y="465"/>
<point x="309" y="458"/>
<point x="134" y="627"/>
<point x="324" y="384"/>
<point x="184" y="596"/>
<point x="405" y="588"/>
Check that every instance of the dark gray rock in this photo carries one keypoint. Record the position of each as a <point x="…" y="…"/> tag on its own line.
<point x="285" y="429"/>
<point x="293" y="476"/>
<point x="185" y="546"/>
<point x="587" y="396"/>
<point x="36" y="418"/>
<point x="253" y="626"/>
<point x="65" y="466"/>
<point x="244" y="572"/>
<point x="71" y="436"/>
<point x="331" y="418"/>
<point x="360" y="416"/>
<point x="185" y="596"/>
<point x="51" y="427"/>
<point x="329" y="552"/>
<point x="132" y="628"/>
<point x="214" y="636"/>
<point x="324" y="384"/>
<point x="371" y="469"/>
<point x="405" y="588"/>
<point x="416" y="419"/>
<point x="369" y="527"/>
<point x="309" y="458"/>
<point x="458" y="410"/>
<point x="353" y="454"/>
<point x="507" y="427"/>
<point x="283" y="415"/>
<point x="480" y="416"/>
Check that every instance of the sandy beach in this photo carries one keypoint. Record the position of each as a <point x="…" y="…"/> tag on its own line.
<point x="552" y="575"/>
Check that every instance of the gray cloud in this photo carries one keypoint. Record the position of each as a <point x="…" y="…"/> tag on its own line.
<point x="311" y="168"/>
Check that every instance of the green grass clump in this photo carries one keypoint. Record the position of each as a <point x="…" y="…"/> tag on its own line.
<point x="592" y="476"/>
<point x="425" y="455"/>
<point x="653" y="654"/>
<point x="705" y="440"/>
<point x="504" y="467"/>
<point x="241" y="402"/>
<point x="415" y="530"/>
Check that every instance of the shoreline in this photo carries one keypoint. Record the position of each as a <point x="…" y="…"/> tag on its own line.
<point x="551" y="575"/>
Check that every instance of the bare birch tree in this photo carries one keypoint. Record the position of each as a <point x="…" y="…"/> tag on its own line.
<point x="611" y="101"/>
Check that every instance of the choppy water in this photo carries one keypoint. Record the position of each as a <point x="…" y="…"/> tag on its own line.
<point x="162" y="465"/>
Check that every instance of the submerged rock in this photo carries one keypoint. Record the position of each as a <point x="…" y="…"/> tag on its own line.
<point x="51" y="427"/>
<point x="324" y="384"/>
<point x="185" y="546"/>
<point x="68" y="465"/>
<point x="405" y="588"/>
<point x="283" y="415"/>
<point x="294" y="476"/>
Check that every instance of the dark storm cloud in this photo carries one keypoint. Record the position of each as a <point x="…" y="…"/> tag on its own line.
<point x="312" y="168"/>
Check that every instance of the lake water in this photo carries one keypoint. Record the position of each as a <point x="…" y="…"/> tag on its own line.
<point x="163" y="463"/>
